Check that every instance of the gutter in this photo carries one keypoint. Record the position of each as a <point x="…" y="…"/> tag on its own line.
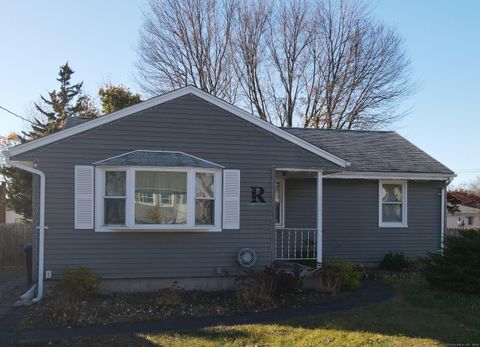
<point x="41" y="222"/>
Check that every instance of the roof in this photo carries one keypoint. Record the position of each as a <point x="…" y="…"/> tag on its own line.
<point x="77" y="129"/>
<point x="157" y="158"/>
<point x="372" y="151"/>
<point x="467" y="209"/>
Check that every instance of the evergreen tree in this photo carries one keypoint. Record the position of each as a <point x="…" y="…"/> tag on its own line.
<point x="18" y="190"/>
<point x="114" y="98"/>
<point x="68" y="101"/>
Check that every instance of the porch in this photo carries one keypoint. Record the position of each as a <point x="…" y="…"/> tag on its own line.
<point x="298" y="214"/>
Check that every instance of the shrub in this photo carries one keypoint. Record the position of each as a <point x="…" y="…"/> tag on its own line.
<point x="256" y="290"/>
<point x="327" y="279"/>
<point x="394" y="262"/>
<point x="337" y="275"/>
<point x="350" y="277"/>
<point x="458" y="268"/>
<point x="79" y="284"/>
<point x="287" y="279"/>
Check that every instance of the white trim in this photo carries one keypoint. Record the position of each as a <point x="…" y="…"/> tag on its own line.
<point x="292" y="169"/>
<point x="319" y="217"/>
<point x="404" y="222"/>
<point x="130" y="200"/>
<point x="390" y="175"/>
<point x="168" y="97"/>
<point x="155" y="229"/>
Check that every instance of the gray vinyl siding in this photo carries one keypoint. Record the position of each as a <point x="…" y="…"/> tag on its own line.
<point x="350" y="218"/>
<point x="301" y="203"/>
<point x="190" y="125"/>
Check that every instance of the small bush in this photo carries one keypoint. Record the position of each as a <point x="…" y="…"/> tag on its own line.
<point x="79" y="284"/>
<point x="394" y="262"/>
<point x="350" y="277"/>
<point x="458" y="268"/>
<point x="328" y="279"/>
<point x="337" y="275"/>
<point x="287" y="280"/>
<point x="256" y="291"/>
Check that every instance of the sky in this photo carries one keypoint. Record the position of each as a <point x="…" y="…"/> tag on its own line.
<point x="99" y="38"/>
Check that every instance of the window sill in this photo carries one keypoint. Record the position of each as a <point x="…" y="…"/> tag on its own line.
<point x="157" y="229"/>
<point x="393" y="225"/>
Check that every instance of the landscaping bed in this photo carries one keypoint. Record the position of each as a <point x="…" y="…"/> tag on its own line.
<point x="417" y="316"/>
<point x="77" y="301"/>
<point x="54" y="311"/>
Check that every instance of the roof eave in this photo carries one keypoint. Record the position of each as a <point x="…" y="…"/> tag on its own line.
<point x="392" y="175"/>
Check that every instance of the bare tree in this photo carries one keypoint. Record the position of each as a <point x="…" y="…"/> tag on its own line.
<point x="187" y="42"/>
<point x="249" y="53"/>
<point x="322" y="64"/>
<point x="290" y="36"/>
<point x="359" y="71"/>
<point x="474" y="186"/>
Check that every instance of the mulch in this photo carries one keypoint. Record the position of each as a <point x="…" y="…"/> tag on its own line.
<point x="55" y="312"/>
<point x="371" y="292"/>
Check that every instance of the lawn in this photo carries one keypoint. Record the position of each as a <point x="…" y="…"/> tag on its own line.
<point x="417" y="316"/>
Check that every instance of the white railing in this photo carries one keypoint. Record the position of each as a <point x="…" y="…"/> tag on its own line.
<point x="295" y="243"/>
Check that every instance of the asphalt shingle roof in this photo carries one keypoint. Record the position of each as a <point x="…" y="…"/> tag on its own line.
<point x="157" y="158"/>
<point x="374" y="151"/>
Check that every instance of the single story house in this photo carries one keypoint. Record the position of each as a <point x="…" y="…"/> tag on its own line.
<point x="467" y="218"/>
<point x="186" y="188"/>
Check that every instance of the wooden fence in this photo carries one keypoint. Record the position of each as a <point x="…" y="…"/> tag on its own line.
<point x="458" y="231"/>
<point x="13" y="239"/>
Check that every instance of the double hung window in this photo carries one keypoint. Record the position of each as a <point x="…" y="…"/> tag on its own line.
<point x="392" y="203"/>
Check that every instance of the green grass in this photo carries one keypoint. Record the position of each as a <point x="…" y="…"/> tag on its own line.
<point x="417" y="316"/>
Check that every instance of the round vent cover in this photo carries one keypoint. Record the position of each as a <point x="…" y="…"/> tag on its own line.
<point x="246" y="257"/>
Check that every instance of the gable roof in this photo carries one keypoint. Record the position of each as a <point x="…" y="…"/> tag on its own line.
<point x="165" y="98"/>
<point x="468" y="210"/>
<point x="157" y="158"/>
<point x="373" y="151"/>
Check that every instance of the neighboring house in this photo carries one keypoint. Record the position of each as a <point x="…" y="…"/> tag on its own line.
<point x="467" y="217"/>
<point x="188" y="189"/>
<point x="7" y="215"/>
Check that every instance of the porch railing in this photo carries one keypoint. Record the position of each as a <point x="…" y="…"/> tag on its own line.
<point x="295" y="243"/>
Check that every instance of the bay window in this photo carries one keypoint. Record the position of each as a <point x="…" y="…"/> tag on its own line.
<point x="204" y="198"/>
<point x="156" y="198"/>
<point x="161" y="185"/>
<point x="114" y="199"/>
<point x="392" y="203"/>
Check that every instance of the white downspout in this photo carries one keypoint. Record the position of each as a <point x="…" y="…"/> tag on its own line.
<point x="442" y="221"/>
<point x="443" y="210"/>
<point x="319" y="218"/>
<point x="41" y="222"/>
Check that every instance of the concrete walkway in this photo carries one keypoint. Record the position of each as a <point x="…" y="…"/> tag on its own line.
<point x="370" y="293"/>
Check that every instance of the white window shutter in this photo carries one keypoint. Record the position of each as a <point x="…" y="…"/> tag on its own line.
<point x="231" y="199"/>
<point x="84" y="195"/>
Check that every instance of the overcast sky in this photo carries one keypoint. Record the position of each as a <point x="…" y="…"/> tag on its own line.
<point x="98" y="38"/>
